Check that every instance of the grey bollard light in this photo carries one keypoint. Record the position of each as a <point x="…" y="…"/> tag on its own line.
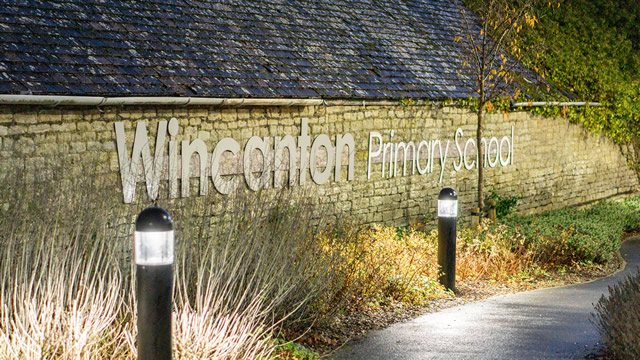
<point x="154" y="243"/>
<point x="447" y="217"/>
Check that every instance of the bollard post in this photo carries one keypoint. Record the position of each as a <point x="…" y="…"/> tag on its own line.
<point x="154" y="242"/>
<point x="475" y="218"/>
<point x="447" y="216"/>
<point x="492" y="211"/>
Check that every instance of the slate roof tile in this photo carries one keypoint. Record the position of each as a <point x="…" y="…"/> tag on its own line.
<point x="361" y="49"/>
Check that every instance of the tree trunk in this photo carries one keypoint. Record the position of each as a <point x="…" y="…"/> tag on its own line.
<point x="480" y="157"/>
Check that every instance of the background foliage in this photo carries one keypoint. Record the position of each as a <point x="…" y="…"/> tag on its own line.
<point x="585" y="51"/>
<point x="591" y="52"/>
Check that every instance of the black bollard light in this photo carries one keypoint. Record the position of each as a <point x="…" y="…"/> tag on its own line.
<point x="154" y="241"/>
<point x="447" y="216"/>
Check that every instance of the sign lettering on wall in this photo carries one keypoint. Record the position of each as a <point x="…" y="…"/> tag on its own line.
<point x="264" y="161"/>
<point x="423" y="154"/>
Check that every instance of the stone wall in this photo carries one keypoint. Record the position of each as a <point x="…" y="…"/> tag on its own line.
<point x="553" y="164"/>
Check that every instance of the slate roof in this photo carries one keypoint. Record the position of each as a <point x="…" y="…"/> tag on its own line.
<point x="360" y="49"/>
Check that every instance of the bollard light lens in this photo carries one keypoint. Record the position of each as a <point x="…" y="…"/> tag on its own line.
<point x="447" y="208"/>
<point x="154" y="247"/>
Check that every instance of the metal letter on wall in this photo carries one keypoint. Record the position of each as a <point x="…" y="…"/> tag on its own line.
<point x="223" y="186"/>
<point x="286" y="142"/>
<point x="196" y="146"/>
<point x="255" y="143"/>
<point x="318" y="177"/>
<point x="129" y="168"/>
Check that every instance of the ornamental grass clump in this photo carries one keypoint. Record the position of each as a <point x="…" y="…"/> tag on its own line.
<point x="251" y="271"/>
<point x="245" y="266"/>
<point x="618" y="320"/>
<point x="62" y="269"/>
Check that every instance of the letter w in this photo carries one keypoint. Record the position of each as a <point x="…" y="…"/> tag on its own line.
<point x="129" y="168"/>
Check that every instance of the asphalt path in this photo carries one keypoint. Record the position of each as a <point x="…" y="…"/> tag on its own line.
<point x="540" y="324"/>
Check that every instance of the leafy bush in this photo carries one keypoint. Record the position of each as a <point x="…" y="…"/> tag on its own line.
<point x="618" y="320"/>
<point x="492" y="252"/>
<point x="505" y="205"/>
<point x="524" y="247"/>
<point x="578" y="235"/>
<point x="387" y="263"/>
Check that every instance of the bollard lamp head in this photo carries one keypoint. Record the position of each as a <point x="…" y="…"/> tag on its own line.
<point x="154" y="237"/>
<point x="448" y="203"/>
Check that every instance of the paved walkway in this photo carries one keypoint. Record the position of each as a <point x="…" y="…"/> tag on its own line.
<point x="541" y="324"/>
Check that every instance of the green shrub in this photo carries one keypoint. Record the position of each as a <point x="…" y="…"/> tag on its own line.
<point x="505" y="205"/>
<point x="618" y="320"/>
<point x="632" y="214"/>
<point x="578" y="235"/>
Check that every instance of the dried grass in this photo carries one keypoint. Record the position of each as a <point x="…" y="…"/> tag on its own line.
<point x="618" y="320"/>
<point x="60" y="278"/>
<point x="244" y="268"/>
<point x="492" y="253"/>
